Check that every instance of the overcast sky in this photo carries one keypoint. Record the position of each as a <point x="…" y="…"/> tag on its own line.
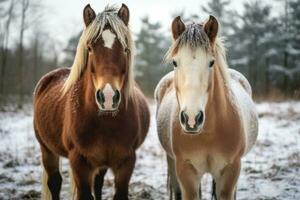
<point x="64" y="17"/>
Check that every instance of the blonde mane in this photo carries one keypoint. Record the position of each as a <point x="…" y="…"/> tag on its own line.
<point x="195" y="37"/>
<point x="91" y="34"/>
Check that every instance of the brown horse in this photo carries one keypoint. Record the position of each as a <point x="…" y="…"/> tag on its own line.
<point x="93" y="113"/>
<point x="206" y="118"/>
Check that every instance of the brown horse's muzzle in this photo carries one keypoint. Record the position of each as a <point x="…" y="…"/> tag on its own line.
<point x="108" y="99"/>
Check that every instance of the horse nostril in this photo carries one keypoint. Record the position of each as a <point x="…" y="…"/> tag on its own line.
<point x="100" y="97"/>
<point x="116" y="98"/>
<point x="183" y="117"/>
<point x="199" y="118"/>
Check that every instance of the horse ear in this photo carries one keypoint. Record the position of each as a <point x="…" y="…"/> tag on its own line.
<point x="88" y="14"/>
<point x="124" y="14"/>
<point x="177" y="27"/>
<point x="211" y="28"/>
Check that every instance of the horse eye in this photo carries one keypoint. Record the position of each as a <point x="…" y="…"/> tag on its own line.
<point x="89" y="48"/>
<point x="126" y="50"/>
<point x="211" y="63"/>
<point x="92" y="70"/>
<point x="174" y="63"/>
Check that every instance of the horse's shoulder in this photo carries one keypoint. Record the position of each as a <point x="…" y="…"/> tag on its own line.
<point x="241" y="79"/>
<point x="164" y="84"/>
<point x="50" y="77"/>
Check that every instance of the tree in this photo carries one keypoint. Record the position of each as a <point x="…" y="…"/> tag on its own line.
<point x="225" y="16"/>
<point x="151" y="47"/>
<point x="4" y="48"/>
<point x="70" y="50"/>
<point x="253" y="43"/>
<point x="24" y="10"/>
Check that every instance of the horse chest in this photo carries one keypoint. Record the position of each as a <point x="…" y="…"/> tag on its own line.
<point x="206" y="161"/>
<point x="205" y="152"/>
<point x="104" y="146"/>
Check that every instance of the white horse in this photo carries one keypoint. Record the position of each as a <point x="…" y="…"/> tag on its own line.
<point x="206" y="118"/>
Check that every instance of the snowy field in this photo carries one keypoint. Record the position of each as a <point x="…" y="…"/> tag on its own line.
<point x="270" y="171"/>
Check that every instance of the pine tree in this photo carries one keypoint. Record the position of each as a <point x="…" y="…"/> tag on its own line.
<point x="225" y="16"/>
<point x="295" y="30"/>
<point x="253" y="44"/>
<point x="151" y="46"/>
<point x="284" y="54"/>
<point x="70" y="49"/>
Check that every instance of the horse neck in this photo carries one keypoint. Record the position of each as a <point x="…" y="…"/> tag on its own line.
<point x="218" y="101"/>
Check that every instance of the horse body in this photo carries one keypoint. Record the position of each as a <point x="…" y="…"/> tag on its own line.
<point x="100" y="138"/>
<point x="229" y="130"/>
<point x="94" y="114"/>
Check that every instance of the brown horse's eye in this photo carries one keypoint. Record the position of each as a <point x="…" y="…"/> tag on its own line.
<point x="126" y="50"/>
<point x="89" y="48"/>
<point x="92" y="70"/>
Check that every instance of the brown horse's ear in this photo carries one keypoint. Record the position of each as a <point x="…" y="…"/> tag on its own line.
<point x="177" y="27"/>
<point x="211" y="28"/>
<point x="88" y="14"/>
<point x="124" y="14"/>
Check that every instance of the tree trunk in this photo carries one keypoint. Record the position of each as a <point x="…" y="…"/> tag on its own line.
<point x="5" y="49"/>
<point x="25" y="4"/>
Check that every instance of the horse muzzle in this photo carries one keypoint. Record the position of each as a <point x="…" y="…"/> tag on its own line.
<point x="191" y="124"/>
<point x="108" y="99"/>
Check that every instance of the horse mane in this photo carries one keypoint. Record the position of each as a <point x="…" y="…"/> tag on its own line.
<point x="195" y="37"/>
<point x="90" y="35"/>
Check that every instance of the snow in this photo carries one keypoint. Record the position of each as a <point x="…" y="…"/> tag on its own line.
<point x="270" y="171"/>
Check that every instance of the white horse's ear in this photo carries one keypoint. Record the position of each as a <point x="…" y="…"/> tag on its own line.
<point x="211" y="28"/>
<point x="178" y="27"/>
<point x="88" y="15"/>
<point x="123" y="13"/>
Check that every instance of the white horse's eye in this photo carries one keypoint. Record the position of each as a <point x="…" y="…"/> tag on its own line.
<point x="174" y="63"/>
<point x="211" y="63"/>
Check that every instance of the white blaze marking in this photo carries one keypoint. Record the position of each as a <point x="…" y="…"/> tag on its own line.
<point x="108" y="38"/>
<point x="108" y="95"/>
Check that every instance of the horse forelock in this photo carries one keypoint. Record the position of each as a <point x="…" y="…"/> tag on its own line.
<point x="91" y="34"/>
<point x="195" y="37"/>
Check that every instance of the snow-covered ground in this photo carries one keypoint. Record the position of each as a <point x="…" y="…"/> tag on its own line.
<point x="270" y="171"/>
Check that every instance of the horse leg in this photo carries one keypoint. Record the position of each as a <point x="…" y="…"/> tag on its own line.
<point x="174" y="185"/>
<point x="226" y="181"/>
<point x="235" y="191"/>
<point x="213" y="190"/>
<point x="188" y="179"/>
<point x="123" y="174"/>
<point x="98" y="183"/>
<point x="82" y="172"/>
<point x="200" y="190"/>
<point x="51" y="166"/>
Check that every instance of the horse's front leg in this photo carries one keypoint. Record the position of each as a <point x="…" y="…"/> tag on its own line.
<point x="189" y="179"/>
<point x="98" y="183"/>
<point x="123" y="174"/>
<point x="226" y="180"/>
<point x="83" y="175"/>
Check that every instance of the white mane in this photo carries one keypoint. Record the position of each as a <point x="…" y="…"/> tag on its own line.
<point x="91" y="34"/>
